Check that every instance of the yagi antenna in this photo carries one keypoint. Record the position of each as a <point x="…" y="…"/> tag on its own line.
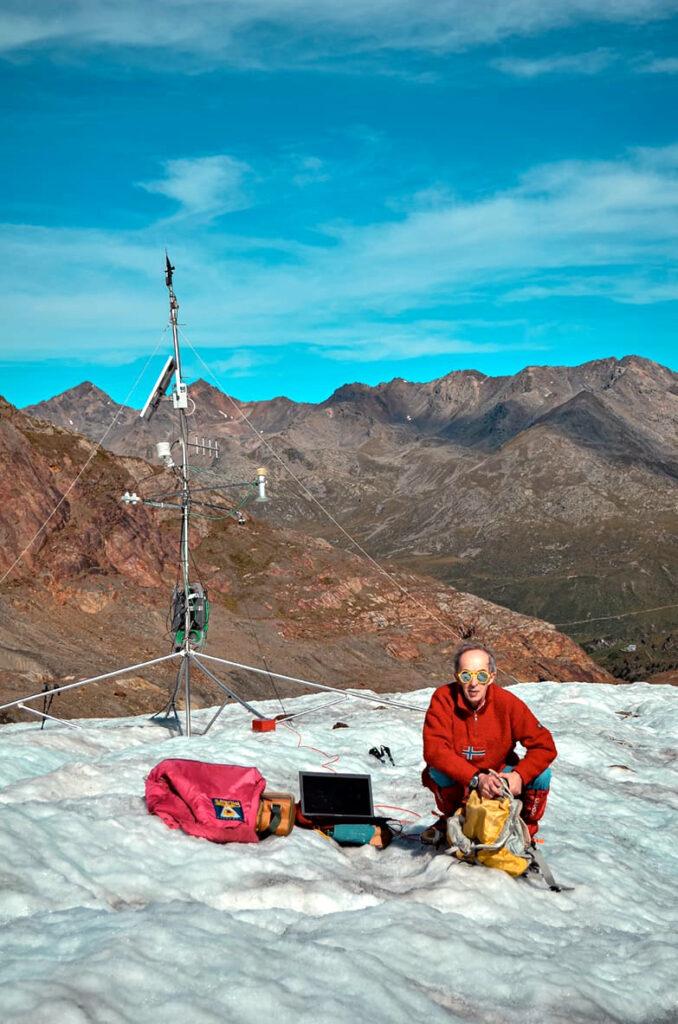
<point x="159" y="390"/>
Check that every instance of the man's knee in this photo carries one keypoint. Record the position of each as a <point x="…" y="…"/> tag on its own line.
<point x="440" y="778"/>
<point x="542" y="781"/>
<point x="448" y="793"/>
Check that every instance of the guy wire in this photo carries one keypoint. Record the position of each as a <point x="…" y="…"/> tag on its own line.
<point x="255" y="637"/>
<point x="244" y="417"/>
<point x="427" y="611"/>
<point x="621" y="615"/>
<point x="309" y="494"/>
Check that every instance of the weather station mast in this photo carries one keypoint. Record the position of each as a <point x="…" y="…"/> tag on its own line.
<point x="190" y="605"/>
<point x="190" y="609"/>
<point x="180" y="402"/>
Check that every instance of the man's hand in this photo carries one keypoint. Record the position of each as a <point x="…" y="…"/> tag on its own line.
<point x="489" y="786"/>
<point x="515" y="783"/>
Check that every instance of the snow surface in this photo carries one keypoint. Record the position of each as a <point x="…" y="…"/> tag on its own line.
<point x="108" y="916"/>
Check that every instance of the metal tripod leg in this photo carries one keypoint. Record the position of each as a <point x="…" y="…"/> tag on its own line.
<point x="85" y="682"/>
<point x="213" y="719"/>
<point x="355" y="694"/>
<point x="169" y="711"/>
<point x="187" y="691"/>
<point x="230" y="693"/>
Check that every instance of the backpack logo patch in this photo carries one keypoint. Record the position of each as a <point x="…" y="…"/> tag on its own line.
<point x="228" y="810"/>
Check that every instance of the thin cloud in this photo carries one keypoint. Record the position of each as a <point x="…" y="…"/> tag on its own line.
<point x="659" y="66"/>
<point x="662" y="158"/>
<point x="590" y="63"/>
<point x="300" y="33"/>
<point x="207" y="186"/>
<point x="311" y="170"/>
<point x="607" y="226"/>
<point x="368" y="343"/>
<point x="240" y="364"/>
<point x="631" y="290"/>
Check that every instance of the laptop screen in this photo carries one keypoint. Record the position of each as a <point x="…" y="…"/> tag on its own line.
<point x="335" y="796"/>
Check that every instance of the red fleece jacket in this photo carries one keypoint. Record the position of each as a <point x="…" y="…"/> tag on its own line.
<point x="460" y="741"/>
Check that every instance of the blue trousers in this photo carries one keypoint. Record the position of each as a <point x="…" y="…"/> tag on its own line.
<point x="450" y="794"/>
<point x="542" y="781"/>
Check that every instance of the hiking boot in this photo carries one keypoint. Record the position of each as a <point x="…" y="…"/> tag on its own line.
<point x="435" y="835"/>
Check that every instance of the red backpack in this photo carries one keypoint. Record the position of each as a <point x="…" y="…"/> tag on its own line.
<point x="214" y="801"/>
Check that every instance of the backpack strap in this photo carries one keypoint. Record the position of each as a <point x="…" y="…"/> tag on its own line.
<point x="456" y="839"/>
<point x="276" y="817"/>
<point x="468" y="847"/>
<point x="460" y="843"/>
<point x="546" y="873"/>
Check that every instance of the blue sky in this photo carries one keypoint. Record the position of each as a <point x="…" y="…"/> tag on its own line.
<point x="349" y="190"/>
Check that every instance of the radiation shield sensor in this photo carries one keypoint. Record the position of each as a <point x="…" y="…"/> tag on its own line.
<point x="261" y="484"/>
<point x="159" y="390"/>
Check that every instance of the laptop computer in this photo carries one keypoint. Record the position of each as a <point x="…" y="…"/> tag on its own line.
<point x="337" y="797"/>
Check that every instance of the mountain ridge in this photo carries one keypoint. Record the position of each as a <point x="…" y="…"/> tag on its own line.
<point x="92" y="590"/>
<point x="551" y="490"/>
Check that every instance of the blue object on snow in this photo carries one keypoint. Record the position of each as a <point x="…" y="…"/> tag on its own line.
<point x="353" y="834"/>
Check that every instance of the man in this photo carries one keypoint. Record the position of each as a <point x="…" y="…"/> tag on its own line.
<point x="470" y="733"/>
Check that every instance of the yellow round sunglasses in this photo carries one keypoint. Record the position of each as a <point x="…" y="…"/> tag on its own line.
<point x="482" y="676"/>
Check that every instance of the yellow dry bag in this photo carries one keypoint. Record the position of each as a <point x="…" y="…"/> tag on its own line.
<point x="491" y="832"/>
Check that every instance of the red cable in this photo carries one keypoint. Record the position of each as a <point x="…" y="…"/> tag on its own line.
<point x="392" y="807"/>
<point x="332" y="759"/>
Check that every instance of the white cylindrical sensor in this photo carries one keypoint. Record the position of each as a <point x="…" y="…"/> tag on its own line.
<point x="261" y="482"/>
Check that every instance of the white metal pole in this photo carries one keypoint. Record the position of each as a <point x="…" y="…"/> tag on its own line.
<point x="315" y="686"/>
<point x="180" y="405"/>
<point x="187" y="692"/>
<point x="44" y="715"/>
<point x="92" y="679"/>
<point x="312" y="711"/>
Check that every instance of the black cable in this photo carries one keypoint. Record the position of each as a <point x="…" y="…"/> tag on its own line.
<point x="263" y="656"/>
<point x="47" y="701"/>
<point x="198" y="574"/>
<point x="209" y="504"/>
<point x="212" y="519"/>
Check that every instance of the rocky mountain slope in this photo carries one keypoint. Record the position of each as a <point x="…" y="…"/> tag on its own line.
<point x="92" y="591"/>
<point x="552" y="491"/>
